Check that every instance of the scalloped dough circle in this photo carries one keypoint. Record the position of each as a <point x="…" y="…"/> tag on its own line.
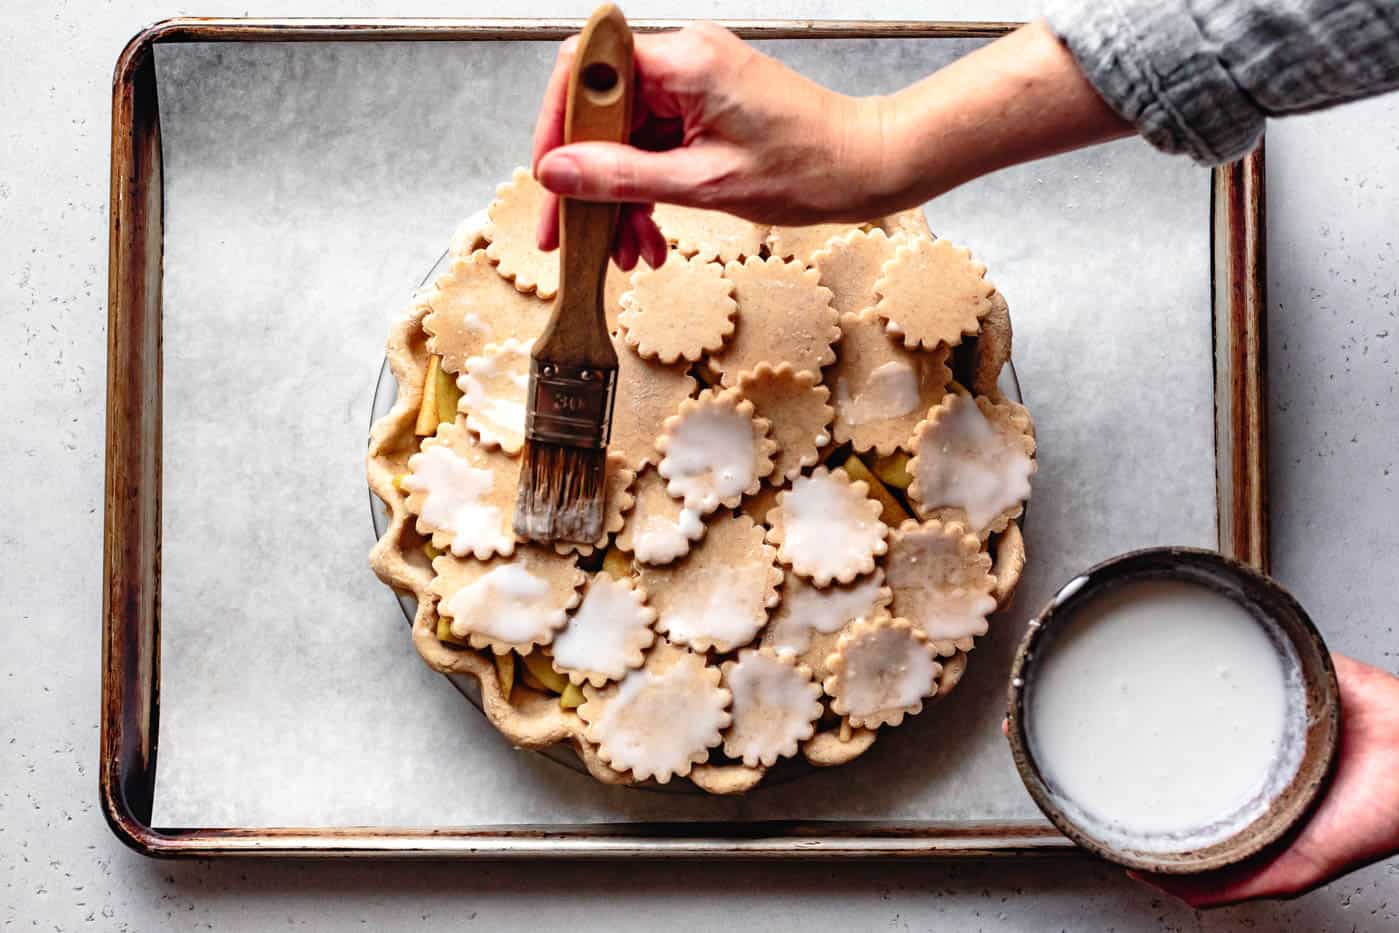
<point x="708" y="235"/>
<point x="881" y="390"/>
<point x="472" y="307"/>
<point x="493" y="388"/>
<point x="718" y="597"/>
<point x="932" y="293"/>
<point x="682" y="310"/>
<point x="808" y="622"/>
<point x="881" y="671"/>
<point x="506" y="604"/>
<point x="972" y="461"/>
<point x="802" y="243"/>
<point x="827" y="528"/>
<point x="775" y="707"/>
<point x="795" y="406"/>
<point x="942" y="582"/>
<point x="784" y="313"/>
<point x="661" y="720"/>
<point x="649" y="393"/>
<point x="463" y="494"/>
<point x="714" y="451"/>
<point x="607" y="634"/>
<point x="510" y="232"/>
<point x="850" y="265"/>
<point x="659" y="529"/>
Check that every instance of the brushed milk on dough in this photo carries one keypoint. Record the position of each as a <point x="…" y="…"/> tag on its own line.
<point x="1165" y="716"/>
<point x="891" y="391"/>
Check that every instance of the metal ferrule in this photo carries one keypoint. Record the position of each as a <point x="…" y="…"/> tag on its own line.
<point x="572" y="405"/>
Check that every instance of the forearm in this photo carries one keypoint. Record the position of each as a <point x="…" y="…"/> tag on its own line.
<point x="1015" y="100"/>
<point x="1201" y="76"/>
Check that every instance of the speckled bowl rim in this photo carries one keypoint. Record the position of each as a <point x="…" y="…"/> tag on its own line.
<point x="1241" y="583"/>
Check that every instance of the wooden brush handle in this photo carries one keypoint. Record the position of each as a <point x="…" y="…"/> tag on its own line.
<point x="599" y="108"/>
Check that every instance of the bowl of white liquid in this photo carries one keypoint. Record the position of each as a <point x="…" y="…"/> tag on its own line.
<point x="1173" y="710"/>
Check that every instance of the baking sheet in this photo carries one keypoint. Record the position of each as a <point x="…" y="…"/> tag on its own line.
<point x="307" y="188"/>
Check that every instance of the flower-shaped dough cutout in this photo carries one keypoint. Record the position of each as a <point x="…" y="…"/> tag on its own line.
<point x="942" y="582"/>
<point x="506" y="604"/>
<point x="714" y="451"/>
<point x="472" y="307"/>
<point x="463" y="493"/>
<point x="682" y="310"/>
<point x="648" y="392"/>
<point x="850" y="265"/>
<point x="607" y="634"/>
<point x="881" y="671"/>
<point x="620" y="499"/>
<point x="494" y="386"/>
<point x="784" y="313"/>
<point x="794" y="404"/>
<point x="826" y="527"/>
<point x="881" y="390"/>
<point x="616" y="284"/>
<point x="659" y="528"/>
<point x="708" y="234"/>
<point x="469" y="235"/>
<point x="510" y="231"/>
<point x="661" y="720"/>
<point x="807" y="623"/>
<point x="932" y="293"/>
<point x="972" y="461"/>
<point x="802" y="243"/>
<point x="775" y="707"/>
<point x="716" y="598"/>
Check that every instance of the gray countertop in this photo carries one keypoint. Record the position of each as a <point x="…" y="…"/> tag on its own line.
<point x="1334" y="303"/>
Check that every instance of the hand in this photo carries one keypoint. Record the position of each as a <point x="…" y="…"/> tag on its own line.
<point x="719" y="126"/>
<point x="1356" y="823"/>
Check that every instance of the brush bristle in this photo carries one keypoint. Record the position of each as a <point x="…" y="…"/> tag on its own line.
<point x="562" y="494"/>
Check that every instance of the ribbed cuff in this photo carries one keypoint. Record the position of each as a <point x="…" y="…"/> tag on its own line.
<point x="1154" y="67"/>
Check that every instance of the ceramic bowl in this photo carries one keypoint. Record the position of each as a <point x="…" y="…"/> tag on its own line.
<point x="1261" y="596"/>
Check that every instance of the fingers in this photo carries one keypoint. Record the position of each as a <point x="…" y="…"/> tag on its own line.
<point x="1285" y="875"/>
<point x="625" y="250"/>
<point x="600" y="171"/>
<point x="548" y="126"/>
<point x="635" y="227"/>
<point x="650" y="242"/>
<point x="547" y="234"/>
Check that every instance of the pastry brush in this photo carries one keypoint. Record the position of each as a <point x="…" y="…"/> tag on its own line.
<point x="573" y="366"/>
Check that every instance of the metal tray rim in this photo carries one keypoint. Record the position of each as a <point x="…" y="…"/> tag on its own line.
<point x="131" y="539"/>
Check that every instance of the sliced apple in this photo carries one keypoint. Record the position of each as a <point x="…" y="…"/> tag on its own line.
<point x="616" y="563"/>
<point x="529" y="680"/>
<point x="444" y="633"/>
<point x="893" y="513"/>
<point x="427" y="408"/>
<point x="505" y="672"/>
<point x="537" y="666"/>
<point x="447" y="395"/>
<point x="892" y="470"/>
<point x="572" y="697"/>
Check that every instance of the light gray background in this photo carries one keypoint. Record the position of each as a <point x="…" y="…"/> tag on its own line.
<point x="1333" y="295"/>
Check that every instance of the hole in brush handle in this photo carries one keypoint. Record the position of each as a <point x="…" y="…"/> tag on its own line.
<point x="601" y="84"/>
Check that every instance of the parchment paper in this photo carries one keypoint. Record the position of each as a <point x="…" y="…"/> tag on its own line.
<point x="310" y="186"/>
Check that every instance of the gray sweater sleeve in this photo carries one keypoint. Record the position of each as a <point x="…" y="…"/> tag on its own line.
<point x="1200" y="76"/>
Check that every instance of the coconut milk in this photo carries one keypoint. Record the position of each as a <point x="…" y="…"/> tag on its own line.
<point x="1165" y="716"/>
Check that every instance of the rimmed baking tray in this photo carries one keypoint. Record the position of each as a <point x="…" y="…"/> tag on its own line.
<point x="134" y="491"/>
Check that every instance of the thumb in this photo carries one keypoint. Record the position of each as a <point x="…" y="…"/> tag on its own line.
<point x="597" y="171"/>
